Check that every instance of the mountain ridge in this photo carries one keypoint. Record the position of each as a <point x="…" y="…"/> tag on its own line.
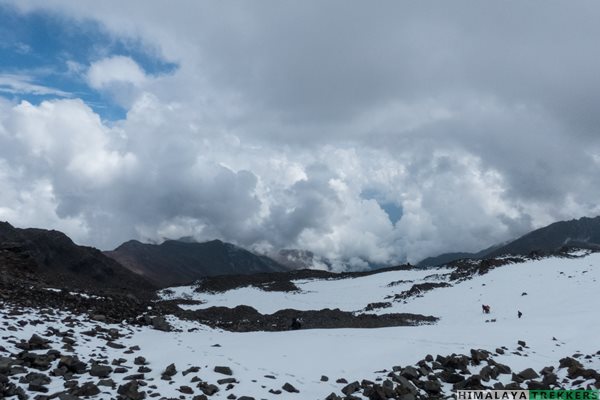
<point x="52" y="258"/>
<point x="176" y="262"/>
<point x="582" y="233"/>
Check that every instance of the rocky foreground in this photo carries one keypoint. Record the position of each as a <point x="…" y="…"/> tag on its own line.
<point x="441" y="376"/>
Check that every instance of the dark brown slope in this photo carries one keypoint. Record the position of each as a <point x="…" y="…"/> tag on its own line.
<point x="581" y="233"/>
<point x="48" y="257"/>
<point x="176" y="262"/>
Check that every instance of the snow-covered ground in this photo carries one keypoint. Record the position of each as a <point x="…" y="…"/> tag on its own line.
<point x="561" y="302"/>
<point x="351" y="294"/>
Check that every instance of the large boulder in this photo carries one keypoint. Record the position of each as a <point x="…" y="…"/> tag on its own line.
<point x="130" y="391"/>
<point x="528" y="374"/>
<point x="100" y="371"/>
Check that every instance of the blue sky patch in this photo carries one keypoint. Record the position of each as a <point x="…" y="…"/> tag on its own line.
<point x="44" y="55"/>
<point x="393" y="210"/>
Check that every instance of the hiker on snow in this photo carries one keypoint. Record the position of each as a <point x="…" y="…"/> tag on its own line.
<point x="485" y="308"/>
<point x="520" y="314"/>
<point x="296" y="324"/>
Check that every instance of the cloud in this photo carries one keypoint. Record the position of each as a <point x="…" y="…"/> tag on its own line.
<point x="22" y="48"/>
<point x="119" y="76"/>
<point x="115" y="70"/>
<point x="68" y="136"/>
<point x="21" y="84"/>
<point x="33" y="203"/>
<point x="287" y="125"/>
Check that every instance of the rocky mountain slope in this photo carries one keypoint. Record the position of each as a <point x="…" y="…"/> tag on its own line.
<point x="578" y="233"/>
<point x="581" y="233"/>
<point x="176" y="262"/>
<point x="49" y="258"/>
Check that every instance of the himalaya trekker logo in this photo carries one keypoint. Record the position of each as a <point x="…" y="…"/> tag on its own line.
<point x="527" y="394"/>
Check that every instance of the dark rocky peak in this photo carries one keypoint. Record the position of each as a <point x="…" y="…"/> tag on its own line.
<point x="583" y="233"/>
<point x="130" y="243"/>
<point x="54" y="260"/>
<point x="175" y="262"/>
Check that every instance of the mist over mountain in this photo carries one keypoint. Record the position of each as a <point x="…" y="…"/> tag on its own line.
<point x="53" y="257"/>
<point x="300" y="259"/>
<point x="306" y="259"/>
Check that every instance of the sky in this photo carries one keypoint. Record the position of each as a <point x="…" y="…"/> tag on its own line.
<point x="365" y="133"/>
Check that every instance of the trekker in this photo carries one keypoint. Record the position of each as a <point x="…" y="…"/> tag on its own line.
<point x="485" y="308"/>
<point x="519" y="313"/>
<point x="296" y="324"/>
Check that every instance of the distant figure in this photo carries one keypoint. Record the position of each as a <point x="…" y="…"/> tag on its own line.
<point x="485" y="308"/>
<point x="520" y="314"/>
<point x="296" y="324"/>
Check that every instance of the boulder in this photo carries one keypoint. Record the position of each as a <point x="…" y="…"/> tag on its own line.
<point x="432" y="387"/>
<point x="38" y="343"/>
<point x="450" y="377"/>
<point x="291" y="389"/>
<point x="410" y="373"/>
<point x="170" y="370"/>
<point x="72" y="364"/>
<point x="478" y="355"/>
<point x="100" y="371"/>
<point x="351" y="388"/>
<point x="550" y="379"/>
<point x="87" y="389"/>
<point x="140" y="361"/>
<point x="186" y="390"/>
<point x="207" y="388"/>
<point x="161" y="324"/>
<point x="130" y="391"/>
<point x="528" y="374"/>
<point x="223" y="370"/>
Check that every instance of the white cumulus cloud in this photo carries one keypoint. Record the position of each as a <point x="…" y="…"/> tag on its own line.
<point x="115" y="70"/>
<point x="301" y="127"/>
